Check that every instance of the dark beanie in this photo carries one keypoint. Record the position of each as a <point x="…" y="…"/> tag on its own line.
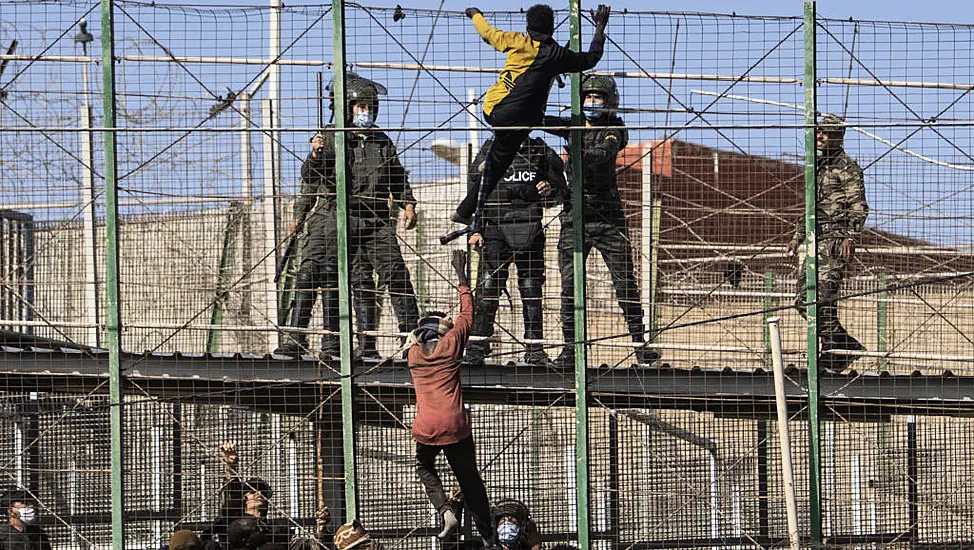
<point x="541" y="19"/>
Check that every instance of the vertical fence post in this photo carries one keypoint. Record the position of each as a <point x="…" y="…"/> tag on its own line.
<point x="578" y="266"/>
<point x="344" y="294"/>
<point x="882" y="310"/>
<point x="912" y="477"/>
<point x="811" y="278"/>
<point x="768" y="304"/>
<point x="113" y="325"/>
<point x="784" y="437"/>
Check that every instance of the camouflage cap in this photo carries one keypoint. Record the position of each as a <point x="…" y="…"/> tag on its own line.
<point x="351" y="535"/>
<point x="184" y="539"/>
<point x="833" y="124"/>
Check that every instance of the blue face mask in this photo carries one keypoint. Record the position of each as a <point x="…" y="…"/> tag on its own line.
<point x="363" y="120"/>
<point x="508" y="532"/>
<point x="592" y="111"/>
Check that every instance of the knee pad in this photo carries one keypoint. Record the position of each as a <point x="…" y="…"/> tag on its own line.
<point x="306" y="279"/>
<point x="491" y="288"/>
<point x="530" y="288"/>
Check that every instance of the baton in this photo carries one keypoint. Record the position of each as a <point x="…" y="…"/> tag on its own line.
<point x="288" y="252"/>
<point x="448" y="238"/>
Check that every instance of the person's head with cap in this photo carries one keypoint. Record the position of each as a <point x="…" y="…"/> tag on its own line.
<point x="431" y="328"/>
<point x="256" y="495"/>
<point x="830" y="133"/>
<point x="540" y="21"/>
<point x="184" y="539"/>
<point x="21" y="507"/>
<point x="353" y="535"/>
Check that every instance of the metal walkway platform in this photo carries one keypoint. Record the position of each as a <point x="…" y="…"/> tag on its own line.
<point x="292" y="385"/>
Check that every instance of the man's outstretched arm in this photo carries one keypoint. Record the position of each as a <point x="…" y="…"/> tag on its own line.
<point x="464" y="321"/>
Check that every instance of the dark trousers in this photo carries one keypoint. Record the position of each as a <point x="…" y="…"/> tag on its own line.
<point x="375" y="249"/>
<point x="499" y="157"/>
<point x="496" y="257"/>
<point x="463" y="461"/>
<point x="612" y="241"/>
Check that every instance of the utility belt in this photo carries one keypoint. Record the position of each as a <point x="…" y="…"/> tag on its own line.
<point x="360" y="215"/>
<point x="517" y="235"/>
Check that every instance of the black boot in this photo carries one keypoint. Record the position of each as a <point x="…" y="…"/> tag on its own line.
<point x="366" y="320"/>
<point x="841" y="341"/>
<point x="295" y="343"/>
<point x="566" y="359"/>
<point x="646" y="356"/>
<point x="366" y="348"/>
<point x="476" y="353"/>
<point x="534" y="354"/>
<point x="330" y="347"/>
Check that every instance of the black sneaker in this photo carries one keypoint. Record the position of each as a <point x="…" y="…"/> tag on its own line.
<point x="565" y="359"/>
<point x="536" y="356"/>
<point x="646" y="356"/>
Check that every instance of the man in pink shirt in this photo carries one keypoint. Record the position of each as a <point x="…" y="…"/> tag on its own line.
<point x="441" y="422"/>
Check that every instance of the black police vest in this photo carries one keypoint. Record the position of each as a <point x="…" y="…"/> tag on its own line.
<point x="516" y="198"/>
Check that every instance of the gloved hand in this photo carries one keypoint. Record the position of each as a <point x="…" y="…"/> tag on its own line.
<point x="470" y="12"/>
<point x="601" y="17"/>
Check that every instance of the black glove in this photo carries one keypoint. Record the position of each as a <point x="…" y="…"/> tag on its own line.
<point x="470" y="12"/>
<point x="601" y="17"/>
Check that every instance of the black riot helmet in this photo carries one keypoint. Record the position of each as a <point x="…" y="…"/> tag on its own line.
<point x="604" y="85"/>
<point x="357" y="88"/>
<point x="510" y="507"/>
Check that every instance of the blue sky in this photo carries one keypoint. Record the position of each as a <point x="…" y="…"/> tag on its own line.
<point x="165" y="95"/>
<point x="928" y="11"/>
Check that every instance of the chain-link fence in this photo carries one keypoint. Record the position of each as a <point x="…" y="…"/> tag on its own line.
<point x="232" y="288"/>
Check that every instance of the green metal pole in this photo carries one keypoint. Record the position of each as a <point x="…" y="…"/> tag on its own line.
<point x="882" y="309"/>
<point x="654" y="272"/>
<point x="811" y="276"/>
<point x="578" y="266"/>
<point x="113" y="328"/>
<point x="768" y="304"/>
<point x="344" y="293"/>
<point x="223" y="276"/>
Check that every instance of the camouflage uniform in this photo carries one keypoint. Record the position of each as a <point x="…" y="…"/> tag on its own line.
<point x="374" y="174"/>
<point x="841" y="212"/>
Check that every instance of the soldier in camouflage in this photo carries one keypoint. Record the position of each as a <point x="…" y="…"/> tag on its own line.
<point x="605" y="220"/>
<point x="841" y="212"/>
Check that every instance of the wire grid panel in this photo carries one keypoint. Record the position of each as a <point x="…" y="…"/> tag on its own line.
<point x="711" y="188"/>
<point x="907" y="290"/>
<point x="906" y="109"/>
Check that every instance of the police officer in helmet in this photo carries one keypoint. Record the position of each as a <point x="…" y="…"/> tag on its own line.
<point x="604" y="218"/>
<point x="374" y="175"/>
<point x="513" y="233"/>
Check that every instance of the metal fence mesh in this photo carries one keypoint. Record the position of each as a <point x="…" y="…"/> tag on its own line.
<point x="215" y="108"/>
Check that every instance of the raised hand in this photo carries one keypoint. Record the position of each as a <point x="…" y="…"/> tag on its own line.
<point x="601" y="17"/>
